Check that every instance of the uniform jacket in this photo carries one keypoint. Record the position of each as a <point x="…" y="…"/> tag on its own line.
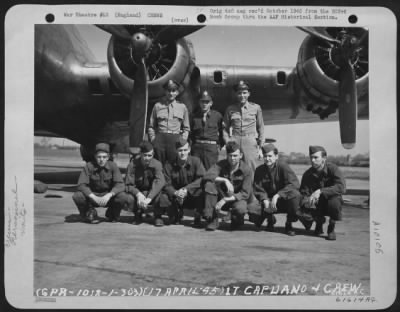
<point x="211" y="130"/>
<point x="279" y="180"/>
<point x="98" y="179"/>
<point x="330" y="180"/>
<point x="172" y="117"/>
<point x="138" y="178"/>
<point x="188" y="175"/>
<point x="244" y="120"/>
<point x="241" y="179"/>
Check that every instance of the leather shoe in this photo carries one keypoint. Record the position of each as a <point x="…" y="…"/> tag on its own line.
<point x="289" y="229"/>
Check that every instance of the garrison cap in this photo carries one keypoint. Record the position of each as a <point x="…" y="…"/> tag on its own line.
<point x="241" y="85"/>
<point x="232" y="147"/>
<point x="102" y="147"/>
<point x="205" y="96"/>
<point x="172" y="85"/>
<point x="146" y="147"/>
<point x="315" y="148"/>
<point x="181" y="142"/>
<point x="266" y="148"/>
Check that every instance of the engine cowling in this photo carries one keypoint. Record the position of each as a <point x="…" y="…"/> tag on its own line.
<point x="172" y="60"/>
<point x="318" y="74"/>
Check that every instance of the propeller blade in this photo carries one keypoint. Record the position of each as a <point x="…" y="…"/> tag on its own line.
<point x="347" y="105"/>
<point x="138" y="106"/>
<point x="172" y="33"/>
<point x="319" y="32"/>
<point x="117" y="30"/>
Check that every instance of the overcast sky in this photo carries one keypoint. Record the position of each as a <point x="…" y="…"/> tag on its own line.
<point x="266" y="46"/>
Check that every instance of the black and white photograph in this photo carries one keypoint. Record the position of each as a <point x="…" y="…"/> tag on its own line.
<point x="204" y="159"/>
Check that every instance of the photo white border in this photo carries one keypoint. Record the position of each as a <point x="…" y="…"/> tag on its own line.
<point x="19" y="112"/>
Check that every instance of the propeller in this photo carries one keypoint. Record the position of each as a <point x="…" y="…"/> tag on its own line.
<point x="143" y="44"/>
<point x="345" y="48"/>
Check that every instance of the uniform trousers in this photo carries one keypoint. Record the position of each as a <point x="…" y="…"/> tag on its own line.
<point x="213" y="193"/>
<point x="172" y="208"/>
<point x="249" y="148"/>
<point x="132" y="204"/>
<point x="208" y="153"/>
<point x="164" y="147"/>
<point x="331" y="207"/>
<point x="289" y="206"/>
<point x="84" y="203"/>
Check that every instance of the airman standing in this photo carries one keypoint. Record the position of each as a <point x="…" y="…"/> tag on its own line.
<point x="168" y="121"/>
<point x="244" y="124"/>
<point x="207" y="131"/>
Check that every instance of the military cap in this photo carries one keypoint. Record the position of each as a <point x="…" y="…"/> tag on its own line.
<point x="181" y="142"/>
<point x="102" y="147"/>
<point x="266" y="148"/>
<point x="315" y="148"/>
<point x="146" y="147"/>
<point x="171" y="85"/>
<point x="232" y="147"/>
<point x="241" y="85"/>
<point x="205" y="96"/>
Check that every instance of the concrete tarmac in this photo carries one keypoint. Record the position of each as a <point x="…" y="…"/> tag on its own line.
<point x="117" y="258"/>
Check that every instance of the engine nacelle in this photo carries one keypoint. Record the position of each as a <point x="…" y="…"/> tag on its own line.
<point x="318" y="75"/>
<point x="174" y="60"/>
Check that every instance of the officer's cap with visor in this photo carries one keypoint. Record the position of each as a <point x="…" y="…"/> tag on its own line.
<point x="102" y="147"/>
<point x="241" y="85"/>
<point x="205" y="96"/>
<point x="172" y="85"/>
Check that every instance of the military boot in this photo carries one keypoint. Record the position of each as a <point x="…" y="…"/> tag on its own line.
<point x="331" y="231"/>
<point x="138" y="218"/>
<point x="271" y="220"/>
<point x="289" y="229"/>
<point x="236" y="221"/>
<point x="91" y="216"/>
<point x="212" y="225"/>
<point x="319" y="230"/>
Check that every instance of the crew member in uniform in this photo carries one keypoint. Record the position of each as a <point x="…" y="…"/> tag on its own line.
<point x="244" y="124"/>
<point x="322" y="187"/>
<point x="276" y="188"/>
<point x="206" y="131"/>
<point x="169" y="120"/>
<point x="144" y="181"/>
<point x="100" y="184"/>
<point x="182" y="188"/>
<point x="227" y="186"/>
